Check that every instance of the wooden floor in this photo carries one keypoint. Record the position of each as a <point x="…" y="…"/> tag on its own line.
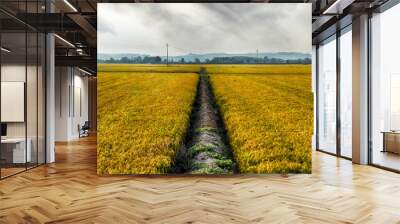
<point x="69" y="191"/>
<point x="5" y="172"/>
<point x="387" y="159"/>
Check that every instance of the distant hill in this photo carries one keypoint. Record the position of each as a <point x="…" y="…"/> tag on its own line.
<point x="203" y="57"/>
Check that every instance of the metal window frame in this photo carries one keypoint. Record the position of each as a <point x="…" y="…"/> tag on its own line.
<point x="339" y="32"/>
<point x="338" y="96"/>
<point x="386" y="6"/>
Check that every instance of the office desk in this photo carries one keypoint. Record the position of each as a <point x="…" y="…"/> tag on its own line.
<point x="391" y="141"/>
<point x="13" y="150"/>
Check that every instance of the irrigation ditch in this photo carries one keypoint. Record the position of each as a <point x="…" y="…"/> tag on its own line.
<point x="206" y="149"/>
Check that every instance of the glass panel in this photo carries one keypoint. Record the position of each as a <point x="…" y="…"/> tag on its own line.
<point x="41" y="99"/>
<point x="346" y="94"/>
<point x="22" y="89"/>
<point x="13" y="89"/>
<point x="31" y="100"/>
<point x="327" y="96"/>
<point x="386" y="89"/>
<point x="32" y="88"/>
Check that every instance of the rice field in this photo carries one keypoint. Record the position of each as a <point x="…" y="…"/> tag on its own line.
<point x="269" y="119"/>
<point x="193" y="68"/>
<point x="144" y="115"/>
<point x="142" y="120"/>
<point x="148" y="68"/>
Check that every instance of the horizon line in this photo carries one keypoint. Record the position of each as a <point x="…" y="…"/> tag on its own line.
<point x="264" y="52"/>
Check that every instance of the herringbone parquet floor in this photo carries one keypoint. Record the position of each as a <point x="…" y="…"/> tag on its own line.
<point x="69" y="191"/>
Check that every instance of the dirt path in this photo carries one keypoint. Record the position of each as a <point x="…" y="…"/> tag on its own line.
<point x="206" y="151"/>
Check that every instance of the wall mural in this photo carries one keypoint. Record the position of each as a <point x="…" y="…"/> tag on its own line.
<point x="204" y="88"/>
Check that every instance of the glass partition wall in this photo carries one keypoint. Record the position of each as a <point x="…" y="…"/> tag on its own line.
<point x="13" y="89"/>
<point x="22" y="77"/>
<point x="334" y="104"/>
<point x="334" y="100"/>
<point x="385" y="89"/>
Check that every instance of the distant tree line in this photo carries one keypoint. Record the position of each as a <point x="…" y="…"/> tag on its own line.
<point x="215" y="60"/>
<point x="133" y="60"/>
<point x="254" y="60"/>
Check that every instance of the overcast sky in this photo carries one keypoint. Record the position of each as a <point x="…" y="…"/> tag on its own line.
<point x="145" y="28"/>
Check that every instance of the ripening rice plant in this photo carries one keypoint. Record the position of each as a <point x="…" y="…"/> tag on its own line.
<point x="143" y="119"/>
<point x="257" y="69"/>
<point x="156" y="68"/>
<point x="269" y="119"/>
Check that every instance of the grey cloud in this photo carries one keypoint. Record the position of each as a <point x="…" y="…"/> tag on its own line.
<point x="106" y="25"/>
<point x="204" y="28"/>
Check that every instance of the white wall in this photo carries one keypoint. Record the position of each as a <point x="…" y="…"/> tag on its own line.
<point x="13" y="72"/>
<point x="62" y="81"/>
<point x="71" y="94"/>
<point x="33" y="127"/>
<point x="81" y="94"/>
<point x="16" y="73"/>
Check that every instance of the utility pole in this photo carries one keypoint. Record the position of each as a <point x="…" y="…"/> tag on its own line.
<point x="167" y="53"/>
<point x="257" y="55"/>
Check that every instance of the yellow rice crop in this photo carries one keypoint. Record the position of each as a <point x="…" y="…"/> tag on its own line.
<point x="269" y="118"/>
<point x="148" y="68"/>
<point x="258" y="69"/>
<point x="267" y="110"/>
<point x="223" y="68"/>
<point x="142" y="120"/>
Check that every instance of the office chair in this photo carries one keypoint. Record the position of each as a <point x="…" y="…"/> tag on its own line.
<point x="84" y="130"/>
